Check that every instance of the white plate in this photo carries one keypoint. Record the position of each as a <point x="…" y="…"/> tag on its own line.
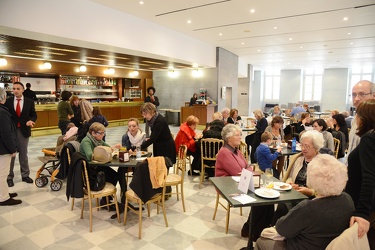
<point x="281" y="186"/>
<point x="267" y="193"/>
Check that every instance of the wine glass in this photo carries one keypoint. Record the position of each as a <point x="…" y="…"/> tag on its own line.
<point x="268" y="181"/>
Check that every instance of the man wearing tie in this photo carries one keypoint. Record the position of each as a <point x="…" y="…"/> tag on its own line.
<point x="24" y="116"/>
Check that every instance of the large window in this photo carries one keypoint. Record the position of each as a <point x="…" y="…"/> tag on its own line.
<point x="312" y="86"/>
<point x="272" y="85"/>
<point x="360" y="73"/>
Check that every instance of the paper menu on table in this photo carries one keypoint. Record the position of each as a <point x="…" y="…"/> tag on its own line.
<point x="244" y="198"/>
<point x="246" y="181"/>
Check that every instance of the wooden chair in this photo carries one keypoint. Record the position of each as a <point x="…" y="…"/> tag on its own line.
<point x="336" y="143"/>
<point x="158" y="199"/>
<point x="108" y="190"/>
<point x="245" y="150"/>
<point x="209" y="149"/>
<point x="177" y="178"/>
<point x="227" y="209"/>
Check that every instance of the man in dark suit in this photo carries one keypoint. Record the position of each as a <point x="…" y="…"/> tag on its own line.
<point x="29" y="93"/>
<point x="24" y="116"/>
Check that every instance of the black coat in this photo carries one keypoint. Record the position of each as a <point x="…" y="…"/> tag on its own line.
<point x="74" y="183"/>
<point x="8" y="134"/>
<point x="162" y="140"/>
<point x="28" y="113"/>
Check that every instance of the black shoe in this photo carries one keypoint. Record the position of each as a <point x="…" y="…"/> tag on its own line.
<point x="10" y="202"/>
<point x="193" y="173"/>
<point x="27" y="179"/>
<point x="10" y="183"/>
<point x="245" y="231"/>
<point x="12" y="195"/>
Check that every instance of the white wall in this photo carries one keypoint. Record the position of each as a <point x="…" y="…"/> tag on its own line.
<point x="334" y="92"/>
<point x="290" y="82"/>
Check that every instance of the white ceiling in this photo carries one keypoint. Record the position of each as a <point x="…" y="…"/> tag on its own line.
<point x="320" y="36"/>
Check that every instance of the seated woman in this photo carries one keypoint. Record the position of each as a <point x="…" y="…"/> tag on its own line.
<point x="340" y="125"/>
<point x="303" y="122"/>
<point x="193" y="99"/>
<point x="276" y="129"/>
<point x="93" y="139"/>
<point x="187" y="136"/>
<point x="234" y="118"/>
<point x="275" y="111"/>
<point x="321" y="126"/>
<point x="134" y="136"/>
<point x="313" y="224"/>
<point x="230" y="161"/>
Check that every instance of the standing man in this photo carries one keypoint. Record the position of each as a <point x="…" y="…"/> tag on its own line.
<point x="8" y="149"/>
<point x="24" y="116"/>
<point x="363" y="90"/>
<point x="29" y="93"/>
<point x="154" y="100"/>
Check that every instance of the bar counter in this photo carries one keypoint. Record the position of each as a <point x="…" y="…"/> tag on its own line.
<point x="117" y="113"/>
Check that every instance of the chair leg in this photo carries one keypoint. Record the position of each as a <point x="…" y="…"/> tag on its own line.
<point x="82" y="207"/>
<point x="216" y="205"/>
<point x="117" y="209"/>
<point x="140" y="219"/>
<point x="164" y="213"/>
<point x="72" y="203"/>
<point x="90" y="209"/>
<point x="227" y="219"/>
<point x="241" y="211"/>
<point x="202" y="177"/>
<point x="177" y="193"/>
<point x="125" y="210"/>
<point x="182" y="197"/>
<point x="148" y="209"/>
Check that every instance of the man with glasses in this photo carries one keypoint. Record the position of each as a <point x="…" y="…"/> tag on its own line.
<point x="363" y="90"/>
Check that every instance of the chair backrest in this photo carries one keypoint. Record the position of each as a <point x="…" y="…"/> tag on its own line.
<point x="244" y="149"/>
<point x="336" y="143"/>
<point x="181" y="160"/>
<point x="209" y="148"/>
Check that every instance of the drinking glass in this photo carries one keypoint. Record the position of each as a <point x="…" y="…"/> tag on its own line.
<point x="268" y="180"/>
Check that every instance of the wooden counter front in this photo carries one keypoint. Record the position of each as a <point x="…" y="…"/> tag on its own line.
<point x="115" y="112"/>
<point x="203" y="112"/>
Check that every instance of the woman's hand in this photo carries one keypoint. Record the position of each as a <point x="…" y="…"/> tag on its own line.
<point x="363" y="225"/>
<point x="118" y="146"/>
<point x="306" y="191"/>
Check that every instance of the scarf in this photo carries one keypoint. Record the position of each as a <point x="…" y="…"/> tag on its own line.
<point x="152" y="121"/>
<point x="138" y="138"/>
<point x="94" y="141"/>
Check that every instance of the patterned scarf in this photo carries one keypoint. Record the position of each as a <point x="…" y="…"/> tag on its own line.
<point x="138" y="138"/>
<point x="152" y="121"/>
<point x="94" y="141"/>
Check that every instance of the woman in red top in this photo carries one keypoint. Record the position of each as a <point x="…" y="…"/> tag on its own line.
<point x="187" y="136"/>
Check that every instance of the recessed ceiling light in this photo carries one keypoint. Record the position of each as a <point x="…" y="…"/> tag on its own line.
<point x="309" y="53"/>
<point x="242" y="43"/>
<point x="349" y="33"/>
<point x="252" y="11"/>
<point x="258" y="50"/>
<point x="345" y="19"/>
<point x="140" y="2"/>
<point x="301" y="47"/>
<point x="275" y="27"/>
<point x="220" y="34"/>
<point x="188" y="21"/>
<point x="351" y="43"/>
<point x="247" y="31"/>
<point x="290" y="39"/>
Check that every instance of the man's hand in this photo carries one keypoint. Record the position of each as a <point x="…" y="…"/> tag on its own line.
<point x="363" y="225"/>
<point x="30" y="123"/>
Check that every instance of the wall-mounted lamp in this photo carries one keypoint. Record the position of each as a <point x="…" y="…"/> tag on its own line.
<point x="109" y="71"/>
<point x="3" y="62"/>
<point x="82" y="68"/>
<point x="45" y="65"/>
<point x="172" y="73"/>
<point x="197" y="73"/>
<point x="134" y="73"/>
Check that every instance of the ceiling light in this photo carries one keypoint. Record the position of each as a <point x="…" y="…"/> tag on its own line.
<point x="140" y="2"/>
<point x="290" y="39"/>
<point x="345" y="19"/>
<point x="252" y="11"/>
<point x="349" y="33"/>
<point x="45" y="65"/>
<point x="82" y="68"/>
<point x="275" y="28"/>
<point x="242" y="43"/>
<point x="3" y="62"/>
<point x="220" y="34"/>
<point x="188" y="21"/>
<point x="109" y="71"/>
<point x="301" y="47"/>
<point x="258" y="50"/>
<point x="172" y="73"/>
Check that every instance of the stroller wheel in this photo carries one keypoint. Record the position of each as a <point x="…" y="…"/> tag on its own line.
<point x="41" y="182"/>
<point x="56" y="185"/>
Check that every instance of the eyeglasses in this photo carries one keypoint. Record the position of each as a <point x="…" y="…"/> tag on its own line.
<point x="305" y="146"/>
<point x="100" y="133"/>
<point x="360" y="95"/>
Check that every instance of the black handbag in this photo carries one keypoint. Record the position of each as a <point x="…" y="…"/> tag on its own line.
<point x="97" y="180"/>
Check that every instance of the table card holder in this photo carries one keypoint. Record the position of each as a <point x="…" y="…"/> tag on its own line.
<point x="246" y="181"/>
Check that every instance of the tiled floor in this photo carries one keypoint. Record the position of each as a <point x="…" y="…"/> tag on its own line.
<point x="44" y="219"/>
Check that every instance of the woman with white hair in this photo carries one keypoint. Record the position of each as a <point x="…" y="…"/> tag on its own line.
<point x="230" y="161"/>
<point x="313" y="224"/>
<point x="225" y="113"/>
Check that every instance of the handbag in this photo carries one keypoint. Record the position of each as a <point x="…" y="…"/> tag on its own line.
<point x="97" y="180"/>
<point x="102" y="154"/>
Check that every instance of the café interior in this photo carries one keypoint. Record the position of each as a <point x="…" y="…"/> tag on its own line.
<point x="242" y="54"/>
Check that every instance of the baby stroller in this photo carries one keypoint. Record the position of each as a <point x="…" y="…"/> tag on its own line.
<point x="55" y="163"/>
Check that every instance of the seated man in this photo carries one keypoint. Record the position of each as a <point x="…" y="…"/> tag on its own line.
<point x="313" y="224"/>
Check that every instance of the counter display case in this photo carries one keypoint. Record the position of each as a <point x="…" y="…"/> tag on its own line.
<point x="90" y="88"/>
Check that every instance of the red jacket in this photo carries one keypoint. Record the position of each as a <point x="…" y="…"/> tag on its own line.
<point x="185" y="137"/>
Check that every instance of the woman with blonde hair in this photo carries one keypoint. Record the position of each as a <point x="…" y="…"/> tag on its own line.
<point x="134" y="136"/>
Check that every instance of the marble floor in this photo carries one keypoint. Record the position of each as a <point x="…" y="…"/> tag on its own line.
<point x="44" y="219"/>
